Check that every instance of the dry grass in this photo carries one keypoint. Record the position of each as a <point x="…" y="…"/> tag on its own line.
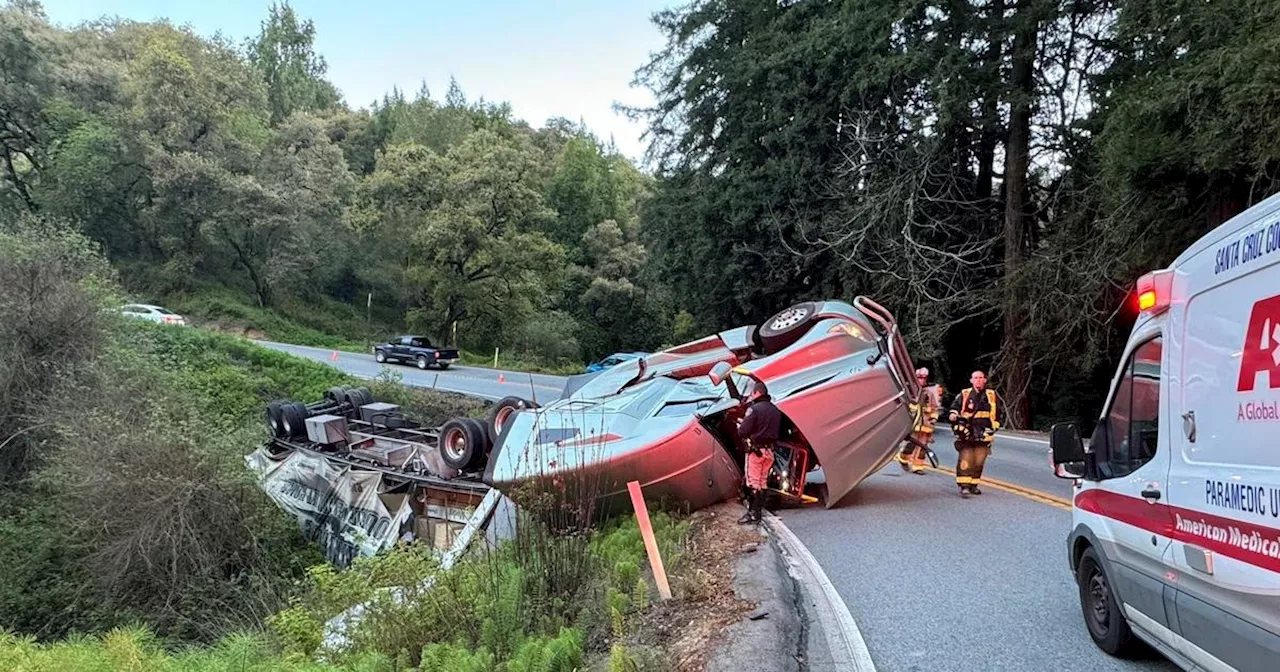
<point x="703" y="605"/>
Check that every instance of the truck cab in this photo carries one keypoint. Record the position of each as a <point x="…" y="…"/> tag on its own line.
<point x="1175" y="535"/>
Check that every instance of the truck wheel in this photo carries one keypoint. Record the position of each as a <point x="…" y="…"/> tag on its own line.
<point x="501" y="414"/>
<point x="274" y="421"/>
<point x="366" y="397"/>
<point x="380" y="357"/>
<point x="461" y="440"/>
<point x="786" y="327"/>
<point x="1102" y="615"/>
<point x="335" y="395"/>
<point x="481" y="456"/>
<point x="294" y="419"/>
<point x="422" y="362"/>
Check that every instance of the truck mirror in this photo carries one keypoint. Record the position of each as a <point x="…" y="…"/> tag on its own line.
<point x="1065" y="443"/>
<point x="719" y="372"/>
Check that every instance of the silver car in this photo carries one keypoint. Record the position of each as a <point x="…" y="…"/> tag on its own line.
<point x="144" y="311"/>
<point x="839" y="373"/>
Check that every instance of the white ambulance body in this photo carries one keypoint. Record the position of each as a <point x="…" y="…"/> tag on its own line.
<point x="1176" y="522"/>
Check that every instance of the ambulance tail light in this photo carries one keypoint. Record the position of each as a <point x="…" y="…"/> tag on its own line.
<point x="1155" y="291"/>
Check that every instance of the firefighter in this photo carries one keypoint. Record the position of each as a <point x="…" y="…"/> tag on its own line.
<point x="925" y="411"/>
<point x="758" y="430"/>
<point x="975" y="417"/>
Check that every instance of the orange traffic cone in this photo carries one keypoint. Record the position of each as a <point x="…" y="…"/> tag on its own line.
<point x="334" y="356"/>
<point x="502" y="378"/>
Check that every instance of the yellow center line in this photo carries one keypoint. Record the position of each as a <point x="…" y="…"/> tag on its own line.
<point x="1033" y="495"/>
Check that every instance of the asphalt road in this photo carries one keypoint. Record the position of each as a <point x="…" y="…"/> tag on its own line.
<point x="935" y="582"/>
<point x="478" y="381"/>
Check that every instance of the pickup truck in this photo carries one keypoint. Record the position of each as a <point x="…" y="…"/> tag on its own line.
<point x="416" y="349"/>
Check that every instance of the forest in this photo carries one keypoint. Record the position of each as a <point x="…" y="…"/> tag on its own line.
<point x="997" y="172"/>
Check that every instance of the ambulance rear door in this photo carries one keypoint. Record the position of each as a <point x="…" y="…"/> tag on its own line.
<point x="1224" y="485"/>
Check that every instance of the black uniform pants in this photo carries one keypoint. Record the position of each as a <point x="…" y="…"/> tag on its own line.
<point x="973" y="456"/>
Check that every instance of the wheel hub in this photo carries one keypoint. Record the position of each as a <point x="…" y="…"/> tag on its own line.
<point x="788" y="318"/>
<point x="454" y="444"/>
<point x="1099" y="607"/>
<point x="501" y="419"/>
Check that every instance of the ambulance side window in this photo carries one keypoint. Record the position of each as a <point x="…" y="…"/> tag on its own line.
<point x="1134" y="419"/>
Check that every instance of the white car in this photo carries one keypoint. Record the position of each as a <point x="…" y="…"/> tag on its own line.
<point x="143" y="311"/>
<point x="1176" y="520"/>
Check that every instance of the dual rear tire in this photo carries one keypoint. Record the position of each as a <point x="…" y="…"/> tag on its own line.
<point x="465" y="443"/>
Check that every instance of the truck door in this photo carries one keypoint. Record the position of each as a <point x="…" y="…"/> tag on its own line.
<point x="404" y="347"/>
<point x="1124" y="502"/>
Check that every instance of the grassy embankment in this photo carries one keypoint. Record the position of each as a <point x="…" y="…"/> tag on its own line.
<point x="540" y="602"/>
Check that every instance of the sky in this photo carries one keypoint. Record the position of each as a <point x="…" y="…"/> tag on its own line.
<point x="548" y="58"/>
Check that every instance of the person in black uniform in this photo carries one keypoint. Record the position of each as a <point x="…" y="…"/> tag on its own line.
<point x="758" y="432"/>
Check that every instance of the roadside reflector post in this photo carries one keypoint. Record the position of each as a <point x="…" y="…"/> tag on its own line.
<point x="495" y="358"/>
<point x="650" y="542"/>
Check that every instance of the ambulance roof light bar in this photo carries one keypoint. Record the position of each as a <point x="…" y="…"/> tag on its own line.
<point x="1155" y="291"/>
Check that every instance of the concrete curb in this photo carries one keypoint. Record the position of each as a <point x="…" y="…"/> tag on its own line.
<point x="844" y="640"/>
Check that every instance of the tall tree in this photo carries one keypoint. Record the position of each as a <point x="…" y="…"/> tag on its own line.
<point x="1014" y="371"/>
<point x="284" y="53"/>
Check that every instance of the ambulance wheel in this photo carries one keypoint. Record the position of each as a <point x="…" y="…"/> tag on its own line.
<point x="1102" y="615"/>
<point x="786" y="327"/>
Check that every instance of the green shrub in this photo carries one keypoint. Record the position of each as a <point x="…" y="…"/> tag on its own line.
<point x="427" y="406"/>
<point x="561" y="653"/>
<point x="138" y="650"/>
<point x="455" y="658"/>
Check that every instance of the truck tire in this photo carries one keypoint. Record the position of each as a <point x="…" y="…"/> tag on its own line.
<point x="294" y="419"/>
<point x="480" y="457"/>
<point x="379" y="356"/>
<point x="422" y="362"/>
<point x="786" y="327"/>
<point x="335" y="395"/>
<point x="501" y="413"/>
<point x="274" y="422"/>
<point x="357" y="397"/>
<point x="461" y="440"/>
<point x="1102" y="616"/>
<point x="366" y="397"/>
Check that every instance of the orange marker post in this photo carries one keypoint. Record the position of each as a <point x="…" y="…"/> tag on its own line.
<point x="650" y="543"/>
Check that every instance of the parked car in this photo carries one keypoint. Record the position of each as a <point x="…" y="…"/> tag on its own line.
<point x="614" y="360"/>
<point x="143" y="311"/>
<point x="1173" y="537"/>
<point x="839" y="373"/>
<point x="416" y="349"/>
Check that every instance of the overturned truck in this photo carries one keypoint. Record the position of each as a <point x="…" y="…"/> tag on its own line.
<point x="839" y="372"/>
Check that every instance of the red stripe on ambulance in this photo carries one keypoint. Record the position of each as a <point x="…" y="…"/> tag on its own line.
<point x="1257" y="545"/>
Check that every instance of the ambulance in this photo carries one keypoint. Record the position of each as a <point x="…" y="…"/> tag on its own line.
<point x="1175" y="534"/>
